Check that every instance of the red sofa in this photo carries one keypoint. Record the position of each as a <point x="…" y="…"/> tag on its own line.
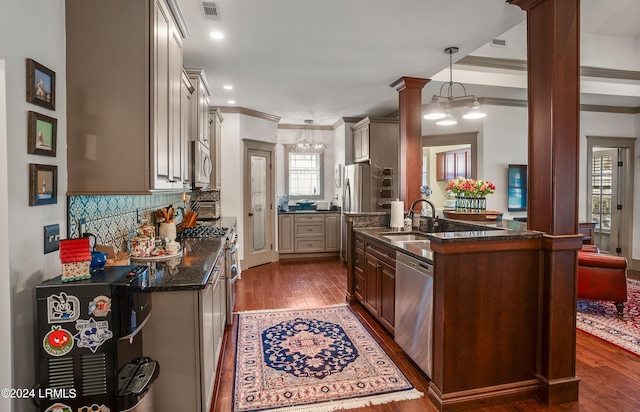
<point x="602" y="277"/>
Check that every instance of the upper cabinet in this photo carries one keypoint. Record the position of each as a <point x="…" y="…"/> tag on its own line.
<point x="375" y="140"/>
<point x="199" y="106"/>
<point x="452" y="164"/>
<point x="215" y="132"/>
<point x="124" y="97"/>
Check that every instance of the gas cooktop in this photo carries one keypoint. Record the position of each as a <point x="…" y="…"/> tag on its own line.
<point x="204" y="231"/>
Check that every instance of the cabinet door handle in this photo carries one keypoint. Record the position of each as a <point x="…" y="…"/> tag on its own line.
<point x="358" y="261"/>
<point x="358" y="287"/>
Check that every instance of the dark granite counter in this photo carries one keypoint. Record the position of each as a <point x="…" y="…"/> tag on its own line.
<point x="308" y="211"/>
<point x="461" y="232"/>
<point x="194" y="268"/>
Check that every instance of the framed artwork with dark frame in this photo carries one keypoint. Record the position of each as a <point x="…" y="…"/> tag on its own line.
<point x="42" y="134"/>
<point x="41" y="85"/>
<point x="43" y="184"/>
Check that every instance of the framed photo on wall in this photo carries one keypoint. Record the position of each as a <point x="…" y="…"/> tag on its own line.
<point x="41" y="85"/>
<point x="43" y="184"/>
<point x="42" y="134"/>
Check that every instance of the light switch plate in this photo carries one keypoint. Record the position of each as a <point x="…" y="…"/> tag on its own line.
<point x="51" y="238"/>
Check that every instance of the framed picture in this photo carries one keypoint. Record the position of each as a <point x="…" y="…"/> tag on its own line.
<point x="42" y="134"/>
<point x="41" y="85"/>
<point x="43" y="184"/>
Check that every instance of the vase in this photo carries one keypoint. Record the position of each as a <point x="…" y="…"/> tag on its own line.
<point x="471" y="204"/>
<point x="167" y="230"/>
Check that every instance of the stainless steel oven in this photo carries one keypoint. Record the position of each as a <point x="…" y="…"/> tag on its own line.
<point x="233" y="271"/>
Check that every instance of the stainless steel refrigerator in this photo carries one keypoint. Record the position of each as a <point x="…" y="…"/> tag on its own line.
<point x="366" y="188"/>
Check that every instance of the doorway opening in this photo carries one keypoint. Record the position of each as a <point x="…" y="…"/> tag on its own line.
<point x="610" y="193"/>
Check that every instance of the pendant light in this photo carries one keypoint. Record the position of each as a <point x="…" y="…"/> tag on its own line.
<point x="306" y="144"/>
<point x="435" y="109"/>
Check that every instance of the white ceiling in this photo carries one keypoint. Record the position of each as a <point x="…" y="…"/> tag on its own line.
<point x="323" y="60"/>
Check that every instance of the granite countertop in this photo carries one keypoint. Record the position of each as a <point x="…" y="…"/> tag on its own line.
<point x="308" y="211"/>
<point x="194" y="268"/>
<point x="474" y="232"/>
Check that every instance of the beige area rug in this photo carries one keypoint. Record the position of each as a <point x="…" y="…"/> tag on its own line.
<point x="312" y="360"/>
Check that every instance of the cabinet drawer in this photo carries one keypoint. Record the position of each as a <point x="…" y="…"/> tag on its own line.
<point x="309" y="218"/>
<point x="309" y="245"/>
<point x="383" y="252"/>
<point x="358" y="241"/>
<point x="358" y="259"/>
<point x="359" y="286"/>
<point x="309" y="229"/>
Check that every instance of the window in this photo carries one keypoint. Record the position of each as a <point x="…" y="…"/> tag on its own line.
<point x="304" y="175"/>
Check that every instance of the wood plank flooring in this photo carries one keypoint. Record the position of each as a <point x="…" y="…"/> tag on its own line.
<point x="610" y="377"/>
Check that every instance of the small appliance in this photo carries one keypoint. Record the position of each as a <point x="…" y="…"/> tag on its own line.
<point x="284" y="203"/>
<point x="323" y="205"/>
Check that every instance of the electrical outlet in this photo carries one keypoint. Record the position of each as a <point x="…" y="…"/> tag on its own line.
<point x="51" y="238"/>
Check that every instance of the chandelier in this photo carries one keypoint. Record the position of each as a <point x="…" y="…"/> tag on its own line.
<point x="306" y="144"/>
<point x="442" y="111"/>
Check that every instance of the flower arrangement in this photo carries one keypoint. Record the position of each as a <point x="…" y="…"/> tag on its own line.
<point x="461" y="186"/>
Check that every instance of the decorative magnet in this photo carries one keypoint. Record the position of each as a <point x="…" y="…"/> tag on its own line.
<point x="92" y="334"/>
<point x="63" y="308"/>
<point x="58" y="341"/>
<point x="100" y="306"/>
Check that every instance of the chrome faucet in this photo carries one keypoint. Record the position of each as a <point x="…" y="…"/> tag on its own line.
<point x="415" y="202"/>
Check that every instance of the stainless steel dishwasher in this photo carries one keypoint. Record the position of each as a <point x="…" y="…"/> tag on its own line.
<point x="414" y="310"/>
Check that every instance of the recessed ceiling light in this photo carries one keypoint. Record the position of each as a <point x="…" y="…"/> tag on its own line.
<point x="216" y="35"/>
<point x="227" y="87"/>
<point x="231" y="101"/>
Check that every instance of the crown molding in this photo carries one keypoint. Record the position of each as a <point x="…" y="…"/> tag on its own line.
<point x="304" y="126"/>
<point x="249" y="112"/>
<point x="521" y="65"/>
<point x="174" y="8"/>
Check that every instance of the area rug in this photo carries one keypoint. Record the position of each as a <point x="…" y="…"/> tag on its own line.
<point x="312" y="360"/>
<point x="600" y="319"/>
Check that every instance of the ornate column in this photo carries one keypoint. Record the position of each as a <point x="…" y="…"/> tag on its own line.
<point x="410" y="151"/>
<point x="553" y="34"/>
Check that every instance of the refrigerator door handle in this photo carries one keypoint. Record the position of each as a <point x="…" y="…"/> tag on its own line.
<point x="346" y="195"/>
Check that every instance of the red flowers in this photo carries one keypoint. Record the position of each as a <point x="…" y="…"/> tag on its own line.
<point x="470" y="187"/>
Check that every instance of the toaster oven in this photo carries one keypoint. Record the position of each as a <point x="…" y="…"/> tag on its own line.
<point x="208" y="210"/>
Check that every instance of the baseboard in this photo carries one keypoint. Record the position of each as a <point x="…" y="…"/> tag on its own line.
<point x="285" y="256"/>
<point x="635" y="265"/>
<point x="555" y="391"/>
<point x="482" y="397"/>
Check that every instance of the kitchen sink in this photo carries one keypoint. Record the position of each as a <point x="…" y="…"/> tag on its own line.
<point x="406" y="237"/>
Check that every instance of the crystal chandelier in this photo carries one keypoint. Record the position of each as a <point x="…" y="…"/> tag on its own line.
<point x="436" y="111"/>
<point x="306" y="144"/>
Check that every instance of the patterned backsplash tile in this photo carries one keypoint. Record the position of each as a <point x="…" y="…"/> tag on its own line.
<point x="111" y="218"/>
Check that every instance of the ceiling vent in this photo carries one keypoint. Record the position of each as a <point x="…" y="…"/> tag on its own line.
<point x="211" y="10"/>
<point x="499" y="43"/>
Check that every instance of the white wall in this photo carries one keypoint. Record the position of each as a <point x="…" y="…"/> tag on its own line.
<point x="30" y="29"/>
<point x="5" y="284"/>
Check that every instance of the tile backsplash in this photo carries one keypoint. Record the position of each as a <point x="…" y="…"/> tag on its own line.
<point x="112" y="217"/>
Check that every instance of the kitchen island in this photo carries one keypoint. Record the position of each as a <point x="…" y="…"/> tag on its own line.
<point x="185" y="329"/>
<point x="486" y="304"/>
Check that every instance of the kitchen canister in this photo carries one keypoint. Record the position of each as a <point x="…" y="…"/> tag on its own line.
<point x="167" y="230"/>
<point x="397" y="214"/>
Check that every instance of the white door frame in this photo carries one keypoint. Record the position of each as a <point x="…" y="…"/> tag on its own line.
<point x="250" y="144"/>
<point x="625" y="223"/>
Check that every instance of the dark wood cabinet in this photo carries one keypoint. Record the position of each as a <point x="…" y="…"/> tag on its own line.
<point x="452" y="164"/>
<point x="379" y="282"/>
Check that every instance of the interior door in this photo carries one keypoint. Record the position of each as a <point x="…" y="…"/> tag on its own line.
<point x="607" y="199"/>
<point x="260" y="207"/>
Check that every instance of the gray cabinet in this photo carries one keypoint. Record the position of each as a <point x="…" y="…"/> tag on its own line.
<point x="199" y="128"/>
<point x="184" y="333"/>
<point x="124" y="97"/>
<point x="215" y="133"/>
<point x="376" y="140"/>
<point x="332" y="232"/>
<point x="285" y="233"/>
<point x="308" y="233"/>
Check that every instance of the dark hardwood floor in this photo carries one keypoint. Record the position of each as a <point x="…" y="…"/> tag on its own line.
<point x="610" y="377"/>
